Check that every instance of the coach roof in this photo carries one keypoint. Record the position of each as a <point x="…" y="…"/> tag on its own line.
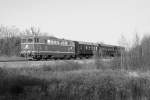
<point x="88" y="43"/>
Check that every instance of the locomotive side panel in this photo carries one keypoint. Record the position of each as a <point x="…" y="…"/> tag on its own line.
<point x="55" y="48"/>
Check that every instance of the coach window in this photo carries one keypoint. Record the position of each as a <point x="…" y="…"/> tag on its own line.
<point x="92" y="48"/>
<point x="57" y="42"/>
<point x="40" y="47"/>
<point x="36" y="40"/>
<point x="86" y="48"/>
<point x="69" y="43"/>
<point x="46" y="47"/>
<point x="52" y="42"/>
<point x="45" y="41"/>
<point x="72" y="44"/>
<point x="48" y="41"/>
<point x="96" y="48"/>
<point x="80" y="47"/>
<point x="65" y="43"/>
<point x="62" y="43"/>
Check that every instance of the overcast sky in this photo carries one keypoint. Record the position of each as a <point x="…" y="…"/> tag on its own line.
<point x="83" y="20"/>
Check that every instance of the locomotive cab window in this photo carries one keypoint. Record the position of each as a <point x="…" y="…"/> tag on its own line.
<point x="23" y="40"/>
<point x="30" y="40"/>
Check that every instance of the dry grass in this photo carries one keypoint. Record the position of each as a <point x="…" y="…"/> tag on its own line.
<point x="8" y="58"/>
<point x="72" y="80"/>
<point x="72" y="85"/>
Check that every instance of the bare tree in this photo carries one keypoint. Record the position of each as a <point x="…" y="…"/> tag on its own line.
<point x="6" y="31"/>
<point x="124" y="54"/>
<point x="32" y="31"/>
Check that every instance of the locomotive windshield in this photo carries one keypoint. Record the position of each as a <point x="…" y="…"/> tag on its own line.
<point x="23" y="40"/>
<point x="30" y="40"/>
<point x="27" y="40"/>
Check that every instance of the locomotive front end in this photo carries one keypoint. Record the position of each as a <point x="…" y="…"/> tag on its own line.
<point x="27" y="47"/>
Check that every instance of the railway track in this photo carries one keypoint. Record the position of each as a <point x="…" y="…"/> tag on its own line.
<point x="23" y="60"/>
<point x="21" y="63"/>
<point x="12" y="60"/>
<point x="36" y="60"/>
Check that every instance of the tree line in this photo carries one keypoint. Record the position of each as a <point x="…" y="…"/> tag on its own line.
<point x="135" y="56"/>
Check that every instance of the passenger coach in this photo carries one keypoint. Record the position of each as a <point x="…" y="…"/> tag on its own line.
<point x="85" y="49"/>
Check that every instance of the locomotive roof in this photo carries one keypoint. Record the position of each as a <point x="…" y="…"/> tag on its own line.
<point x="106" y="45"/>
<point x="40" y="36"/>
<point x="44" y="37"/>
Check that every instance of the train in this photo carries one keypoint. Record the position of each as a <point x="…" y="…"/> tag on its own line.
<point x="48" y="47"/>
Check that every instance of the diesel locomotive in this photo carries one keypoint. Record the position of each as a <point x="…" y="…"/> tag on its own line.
<point x="48" y="47"/>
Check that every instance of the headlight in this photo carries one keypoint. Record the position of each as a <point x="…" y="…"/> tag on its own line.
<point x="28" y="51"/>
<point x="22" y="52"/>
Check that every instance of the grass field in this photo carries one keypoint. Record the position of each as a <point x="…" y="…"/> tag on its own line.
<point x="70" y="80"/>
<point x="11" y="58"/>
